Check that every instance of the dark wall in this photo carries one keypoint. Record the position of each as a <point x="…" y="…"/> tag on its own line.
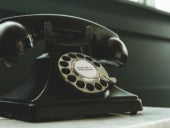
<point x="145" y="31"/>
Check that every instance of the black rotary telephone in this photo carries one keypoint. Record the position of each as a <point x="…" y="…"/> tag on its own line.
<point x="52" y="67"/>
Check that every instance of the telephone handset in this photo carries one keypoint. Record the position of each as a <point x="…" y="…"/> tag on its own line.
<point x="53" y="67"/>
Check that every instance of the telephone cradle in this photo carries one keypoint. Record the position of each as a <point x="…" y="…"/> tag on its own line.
<point x="53" y="67"/>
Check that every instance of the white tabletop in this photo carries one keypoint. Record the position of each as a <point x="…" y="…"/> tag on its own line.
<point x="150" y="117"/>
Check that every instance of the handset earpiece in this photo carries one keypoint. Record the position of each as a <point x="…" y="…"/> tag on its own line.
<point x="116" y="52"/>
<point x="12" y="35"/>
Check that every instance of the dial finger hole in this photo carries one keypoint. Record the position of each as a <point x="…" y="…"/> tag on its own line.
<point x="88" y="58"/>
<point x="63" y="63"/>
<point x="80" y="84"/>
<point x="71" y="78"/>
<point x="98" y="86"/>
<point x="80" y="55"/>
<point x="72" y="55"/>
<point x="103" y="82"/>
<point x="65" y="71"/>
<point x="97" y="64"/>
<point x="66" y="58"/>
<point x="90" y="87"/>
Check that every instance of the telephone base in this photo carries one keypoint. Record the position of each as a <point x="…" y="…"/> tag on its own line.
<point x="69" y="109"/>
